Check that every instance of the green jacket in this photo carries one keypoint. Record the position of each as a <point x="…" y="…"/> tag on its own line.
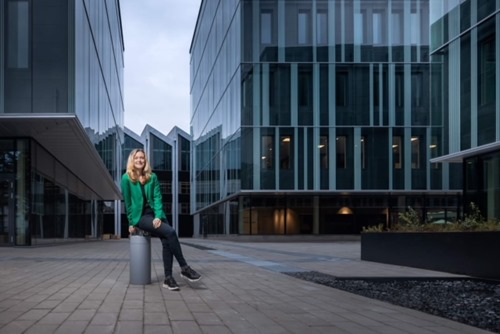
<point x="134" y="201"/>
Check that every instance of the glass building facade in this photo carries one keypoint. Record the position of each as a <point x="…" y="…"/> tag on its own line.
<point x="465" y="90"/>
<point x="313" y="117"/>
<point x="61" y="118"/>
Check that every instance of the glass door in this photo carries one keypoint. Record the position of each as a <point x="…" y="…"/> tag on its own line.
<point x="6" y="211"/>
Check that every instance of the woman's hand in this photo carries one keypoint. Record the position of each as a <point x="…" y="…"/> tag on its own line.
<point x="156" y="222"/>
<point x="131" y="230"/>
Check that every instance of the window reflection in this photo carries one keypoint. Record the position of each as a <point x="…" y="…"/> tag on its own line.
<point x="161" y="154"/>
<point x="18" y="34"/>
<point x="397" y="150"/>
<point x="359" y="28"/>
<point x="363" y="152"/>
<point x="303" y="27"/>
<point x="434" y="151"/>
<point x="415" y="152"/>
<point x="267" y="152"/>
<point x="323" y="152"/>
<point x="321" y="28"/>
<point x="266" y="25"/>
<point x="397" y="28"/>
<point x="378" y="28"/>
<point x="285" y="152"/>
<point x="185" y="152"/>
<point x="415" y="28"/>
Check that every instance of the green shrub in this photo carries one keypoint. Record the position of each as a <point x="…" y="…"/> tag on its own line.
<point x="375" y="228"/>
<point x="410" y="221"/>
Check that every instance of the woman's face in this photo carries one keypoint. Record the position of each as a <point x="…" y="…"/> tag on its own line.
<point x="139" y="160"/>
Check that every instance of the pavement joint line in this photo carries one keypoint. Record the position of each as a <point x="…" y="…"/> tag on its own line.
<point x="305" y="257"/>
<point x="269" y="265"/>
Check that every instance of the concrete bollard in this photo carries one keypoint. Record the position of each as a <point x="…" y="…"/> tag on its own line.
<point x="140" y="259"/>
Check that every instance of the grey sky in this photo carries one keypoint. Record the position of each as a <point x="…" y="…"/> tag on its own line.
<point x="157" y="36"/>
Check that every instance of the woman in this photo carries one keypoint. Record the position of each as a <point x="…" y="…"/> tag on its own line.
<point x="142" y="196"/>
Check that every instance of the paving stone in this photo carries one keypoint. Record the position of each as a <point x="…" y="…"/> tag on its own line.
<point x="82" y="315"/>
<point x="76" y="288"/>
<point x="54" y="318"/>
<point x="72" y="327"/>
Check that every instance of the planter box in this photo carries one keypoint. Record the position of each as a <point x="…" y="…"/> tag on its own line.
<point x="466" y="253"/>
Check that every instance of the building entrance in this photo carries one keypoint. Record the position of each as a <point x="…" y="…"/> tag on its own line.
<point x="6" y="211"/>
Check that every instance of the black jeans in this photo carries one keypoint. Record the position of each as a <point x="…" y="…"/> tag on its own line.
<point x="169" y="240"/>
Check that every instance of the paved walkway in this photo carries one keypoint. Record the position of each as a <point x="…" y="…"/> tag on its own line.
<point x="84" y="288"/>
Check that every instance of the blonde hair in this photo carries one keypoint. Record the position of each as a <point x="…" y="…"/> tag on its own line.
<point x="134" y="174"/>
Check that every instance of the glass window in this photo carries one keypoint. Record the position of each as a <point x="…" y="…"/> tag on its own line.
<point x="416" y="89"/>
<point x="184" y="208"/>
<point x="363" y="152"/>
<point x="487" y="70"/>
<point x="397" y="150"/>
<point x="161" y="154"/>
<point x="18" y="34"/>
<point x="323" y="152"/>
<point x="399" y="90"/>
<point x="185" y="187"/>
<point x="267" y="152"/>
<point x="434" y="151"/>
<point x="167" y="187"/>
<point x="303" y="32"/>
<point x="285" y="152"/>
<point x="415" y="28"/>
<point x="341" y="89"/>
<point x="322" y="28"/>
<point x="305" y="88"/>
<point x="359" y="28"/>
<point x="415" y="152"/>
<point x="377" y="28"/>
<point x="487" y="85"/>
<point x="338" y="19"/>
<point x="484" y="8"/>
<point x="397" y="28"/>
<point x="341" y="151"/>
<point x="185" y="153"/>
<point x="266" y="27"/>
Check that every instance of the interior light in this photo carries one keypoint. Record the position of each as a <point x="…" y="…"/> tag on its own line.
<point x="414" y="138"/>
<point x="344" y="211"/>
<point x="433" y="146"/>
<point x="286" y="139"/>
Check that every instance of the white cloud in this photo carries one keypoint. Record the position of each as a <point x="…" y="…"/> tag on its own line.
<point x="157" y="36"/>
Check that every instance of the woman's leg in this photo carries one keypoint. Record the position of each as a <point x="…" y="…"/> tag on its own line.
<point x="171" y="243"/>
<point x="168" y="257"/>
<point x="146" y="224"/>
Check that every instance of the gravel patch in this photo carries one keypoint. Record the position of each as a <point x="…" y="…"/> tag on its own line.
<point x="470" y="301"/>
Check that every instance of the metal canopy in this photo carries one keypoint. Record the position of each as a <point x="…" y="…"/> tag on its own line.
<point x="65" y="138"/>
<point x="460" y="156"/>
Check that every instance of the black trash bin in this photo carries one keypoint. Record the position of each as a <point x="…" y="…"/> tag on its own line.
<point x="140" y="259"/>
